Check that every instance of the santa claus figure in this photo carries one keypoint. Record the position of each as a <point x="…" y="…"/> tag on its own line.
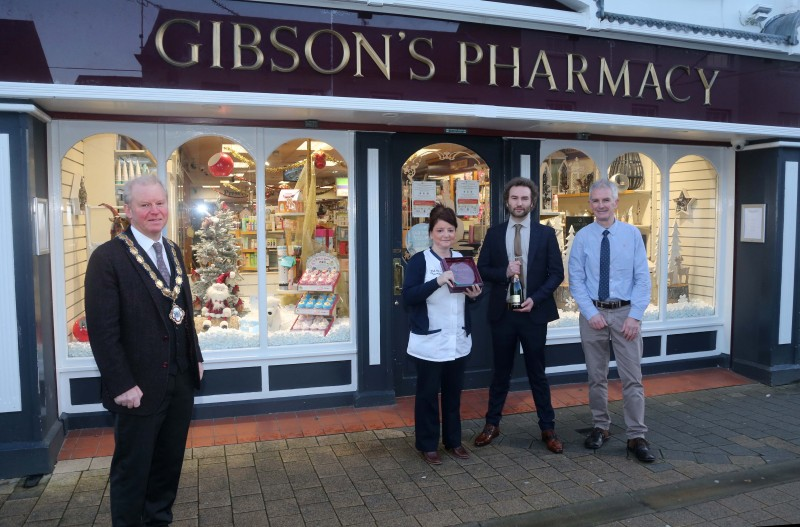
<point x="216" y="309"/>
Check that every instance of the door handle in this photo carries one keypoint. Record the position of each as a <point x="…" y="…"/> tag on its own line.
<point x="399" y="275"/>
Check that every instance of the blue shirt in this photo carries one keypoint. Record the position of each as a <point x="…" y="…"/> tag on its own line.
<point x="630" y="275"/>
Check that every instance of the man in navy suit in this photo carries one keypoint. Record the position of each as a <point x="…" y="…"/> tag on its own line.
<point x="523" y="247"/>
<point x="138" y="313"/>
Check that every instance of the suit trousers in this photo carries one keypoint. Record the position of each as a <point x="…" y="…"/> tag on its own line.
<point x="148" y="457"/>
<point x="431" y="376"/>
<point x="508" y="333"/>
<point x="628" y="354"/>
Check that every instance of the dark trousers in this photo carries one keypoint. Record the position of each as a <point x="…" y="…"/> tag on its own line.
<point x="431" y="376"/>
<point x="148" y="457"/>
<point x="507" y="334"/>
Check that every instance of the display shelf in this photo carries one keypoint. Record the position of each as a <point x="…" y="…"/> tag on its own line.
<point x="247" y="268"/>
<point x="312" y="323"/>
<point x="290" y="214"/>
<point x="549" y="213"/>
<point x="310" y="298"/>
<point x="586" y="194"/>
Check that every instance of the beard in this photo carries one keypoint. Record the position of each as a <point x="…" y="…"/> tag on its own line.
<point x="520" y="212"/>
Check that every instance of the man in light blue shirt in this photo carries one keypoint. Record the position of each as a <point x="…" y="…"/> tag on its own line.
<point x="610" y="281"/>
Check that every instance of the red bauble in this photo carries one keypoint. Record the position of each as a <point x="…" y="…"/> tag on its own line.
<point x="220" y="165"/>
<point x="319" y="160"/>
<point x="80" y="331"/>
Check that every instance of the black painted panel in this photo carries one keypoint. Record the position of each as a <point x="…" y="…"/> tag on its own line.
<point x="563" y="355"/>
<point x="233" y="380"/>
<point x="313" y="375"/>
<point x="691" y="342"/>
<point x="85" y="390"/>
<point x="652" y="346"/>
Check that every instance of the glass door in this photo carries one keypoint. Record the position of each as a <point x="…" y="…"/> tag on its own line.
<point x="456" y="172"/>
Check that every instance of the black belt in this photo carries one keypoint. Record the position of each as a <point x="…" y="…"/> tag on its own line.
<point x="611" y="305"/>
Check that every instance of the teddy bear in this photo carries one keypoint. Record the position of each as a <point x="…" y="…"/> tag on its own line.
<point x="216" y="310"/>
<point x="274" y="313"/>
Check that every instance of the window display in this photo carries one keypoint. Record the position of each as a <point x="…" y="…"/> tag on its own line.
<point x="566" y="176"/>
<point x="692" y="263"/>
<point x="307" y="242"/>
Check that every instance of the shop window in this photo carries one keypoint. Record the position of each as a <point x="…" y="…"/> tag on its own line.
<point x="565" y="178"/>
<point x="455" y="176"/>
<point x="308" y="244"/>
<point x="639" y="182"/>
<point x="691" y="238"/>
<point x="213" y="217"/>
<point x="93" y="173"/>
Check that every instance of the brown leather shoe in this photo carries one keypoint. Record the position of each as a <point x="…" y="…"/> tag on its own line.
<point x="552" y="441"/>
<point x="460" y="452"/>
<point x="488" y="434"/>
<point x="431" y="458"/>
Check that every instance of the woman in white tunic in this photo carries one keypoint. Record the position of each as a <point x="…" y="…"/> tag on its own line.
<point x="440" y="339"/>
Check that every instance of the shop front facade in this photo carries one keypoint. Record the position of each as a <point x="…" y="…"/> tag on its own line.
<point x="302" y="148"/>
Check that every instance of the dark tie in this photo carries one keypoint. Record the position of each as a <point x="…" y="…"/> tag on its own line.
<point x="160" y="264"/>
<point x="518" y="251"/>
<point x="605" y="264"/>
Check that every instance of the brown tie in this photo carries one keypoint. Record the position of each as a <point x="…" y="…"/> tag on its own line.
<point x="518" y="251"/>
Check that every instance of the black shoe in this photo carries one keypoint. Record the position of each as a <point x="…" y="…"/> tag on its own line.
<point x="596" y="438"/>
<point x="641" y="449"/>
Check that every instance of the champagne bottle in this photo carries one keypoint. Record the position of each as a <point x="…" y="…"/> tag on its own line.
<point x="515" y="293"/>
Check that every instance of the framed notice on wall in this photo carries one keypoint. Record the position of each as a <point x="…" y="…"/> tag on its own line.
<point x="753" y="223"/>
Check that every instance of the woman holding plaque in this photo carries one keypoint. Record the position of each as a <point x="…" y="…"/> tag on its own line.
<point x="440" y="338"/>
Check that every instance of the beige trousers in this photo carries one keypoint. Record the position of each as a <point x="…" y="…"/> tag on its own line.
<point x="628" y="355"/>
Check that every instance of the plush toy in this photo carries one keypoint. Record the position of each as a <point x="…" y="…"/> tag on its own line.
<point x="216" y="309"/>
<point x="273" y="313"/>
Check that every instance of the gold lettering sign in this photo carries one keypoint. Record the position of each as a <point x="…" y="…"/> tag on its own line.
<point x="286" y="51"/>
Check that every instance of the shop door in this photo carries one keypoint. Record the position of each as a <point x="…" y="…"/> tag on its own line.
<point x="423" y="165"/>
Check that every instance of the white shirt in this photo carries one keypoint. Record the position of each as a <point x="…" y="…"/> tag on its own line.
<point x="445" y="314"/>
<point x="524" y="238"/>
<point x="147" y="244"/>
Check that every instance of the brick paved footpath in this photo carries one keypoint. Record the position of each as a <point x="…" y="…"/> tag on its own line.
<point x="726" y="457"/>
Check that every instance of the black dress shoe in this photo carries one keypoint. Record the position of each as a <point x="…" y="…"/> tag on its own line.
<point x="641" y="449"/>
<point x="487" y="435"/>
<point x="431" y="458"/>
<point x="460" y="452"/>
<point x="596" y="438"/>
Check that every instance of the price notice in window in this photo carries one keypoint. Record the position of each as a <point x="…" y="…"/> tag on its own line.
<point x="467" y="194"/>
<point x="423" y="198"/>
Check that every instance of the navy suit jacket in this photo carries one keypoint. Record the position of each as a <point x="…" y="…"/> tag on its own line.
<point x="544" y="273"/>
<point x="128" y="322"/>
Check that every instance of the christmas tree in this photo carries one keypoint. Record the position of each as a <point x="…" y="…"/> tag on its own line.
<point x="568" y="250"/>
<point x="217" y="255"/>
<point x="674" y="267"/>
